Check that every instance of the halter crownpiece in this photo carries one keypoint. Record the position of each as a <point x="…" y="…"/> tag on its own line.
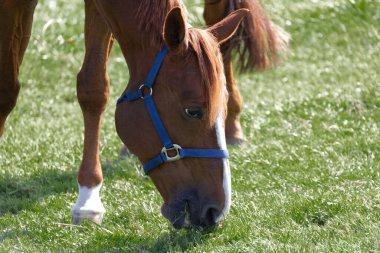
<point x="168" y="144"/>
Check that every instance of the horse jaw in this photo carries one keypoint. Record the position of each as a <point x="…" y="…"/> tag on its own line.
<point x="221" y="137"/>
<point x="88" y="206"/>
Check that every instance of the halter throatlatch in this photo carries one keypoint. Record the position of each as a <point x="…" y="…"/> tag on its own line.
<point x="145" y="92"/>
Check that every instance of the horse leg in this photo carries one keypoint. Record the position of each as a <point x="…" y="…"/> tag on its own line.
<point x="93" y="94"/>
<point x="215" y="11"/>
<point x="234" y="133"/>
<point x="15" y="28"/>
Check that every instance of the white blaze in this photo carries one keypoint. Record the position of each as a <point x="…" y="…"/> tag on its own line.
<point x="221" y="137"/>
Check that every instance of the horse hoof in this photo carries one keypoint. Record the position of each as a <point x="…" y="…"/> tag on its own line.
<point x="235" y="141"/>
<point x="79" y="216"/>
<point x="88" y="206"/>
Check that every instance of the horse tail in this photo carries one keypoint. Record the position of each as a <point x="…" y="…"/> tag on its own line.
<point x="259" y="43"/>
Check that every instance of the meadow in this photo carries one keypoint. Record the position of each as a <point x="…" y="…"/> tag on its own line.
<point x="306" y="180"/>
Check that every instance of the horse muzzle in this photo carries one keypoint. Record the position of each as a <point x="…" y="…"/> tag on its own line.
<point x="190" y="211"/>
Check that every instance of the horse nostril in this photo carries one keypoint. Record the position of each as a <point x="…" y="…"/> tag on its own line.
<point x="210" y="216"/>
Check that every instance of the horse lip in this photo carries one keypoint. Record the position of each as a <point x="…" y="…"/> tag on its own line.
<point x="176" y="215"/>
<point x="180" y="222"/>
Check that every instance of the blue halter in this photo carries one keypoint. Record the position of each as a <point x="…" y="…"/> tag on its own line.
<point x="168" y="145"/>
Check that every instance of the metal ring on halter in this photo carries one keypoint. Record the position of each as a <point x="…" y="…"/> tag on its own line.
<point x="176" y="157"/>
<point x="141" y="91"/>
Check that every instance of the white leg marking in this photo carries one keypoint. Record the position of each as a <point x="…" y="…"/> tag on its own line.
<point x="88" y="206"/>
<point x="221" y="137"/>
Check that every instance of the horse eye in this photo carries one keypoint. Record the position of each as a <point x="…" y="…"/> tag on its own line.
<point x="193" y="113"/>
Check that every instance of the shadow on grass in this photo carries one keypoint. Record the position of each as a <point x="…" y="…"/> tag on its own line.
<point x="20" y="193"/>
<point x="173" y="241"/>
<point x="178" y="240"/>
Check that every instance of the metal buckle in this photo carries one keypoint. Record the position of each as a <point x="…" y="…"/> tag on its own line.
<point x="177" y="156"/>
<point x="142" y="94"/>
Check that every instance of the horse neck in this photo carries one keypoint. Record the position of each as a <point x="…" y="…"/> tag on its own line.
<point x="139" y="49"/>
<point x="139" y="60"/>
<point x="140" y="46"/>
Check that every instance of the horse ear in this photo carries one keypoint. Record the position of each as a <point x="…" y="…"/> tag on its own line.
<point x="224" y="29"/>
<point x="175" y="30"/>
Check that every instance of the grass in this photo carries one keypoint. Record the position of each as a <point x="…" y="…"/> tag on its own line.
<point x="307" y="180"/>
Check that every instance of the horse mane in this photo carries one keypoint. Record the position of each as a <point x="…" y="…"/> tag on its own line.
<point x="151" y="16"/>
<point x="206" y="49"/>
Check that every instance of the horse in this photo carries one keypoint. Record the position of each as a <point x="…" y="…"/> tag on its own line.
<point x="181" y="105"/>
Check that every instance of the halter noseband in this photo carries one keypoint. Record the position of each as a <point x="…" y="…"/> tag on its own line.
<point x="168" y="145"/>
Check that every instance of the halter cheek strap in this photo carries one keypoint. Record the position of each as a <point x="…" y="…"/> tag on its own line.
<point x="145" y="92"/>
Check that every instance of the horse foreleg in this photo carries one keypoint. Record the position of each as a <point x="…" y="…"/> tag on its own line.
<point x="15" y="26"/>
<point x="214" y="12"/>
<point x="234" y="133"/>
<point x="93" y="94"/>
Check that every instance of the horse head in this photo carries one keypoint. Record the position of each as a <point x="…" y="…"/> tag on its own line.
<point x="190" y="99"/>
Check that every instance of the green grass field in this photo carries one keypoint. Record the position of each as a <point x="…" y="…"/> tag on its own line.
<point x="306" y="180"/>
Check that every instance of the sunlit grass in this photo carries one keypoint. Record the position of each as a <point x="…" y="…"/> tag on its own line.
<point x="307" y="179"/>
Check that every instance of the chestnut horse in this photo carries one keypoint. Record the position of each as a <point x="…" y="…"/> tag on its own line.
<point x="187" y="105"/>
